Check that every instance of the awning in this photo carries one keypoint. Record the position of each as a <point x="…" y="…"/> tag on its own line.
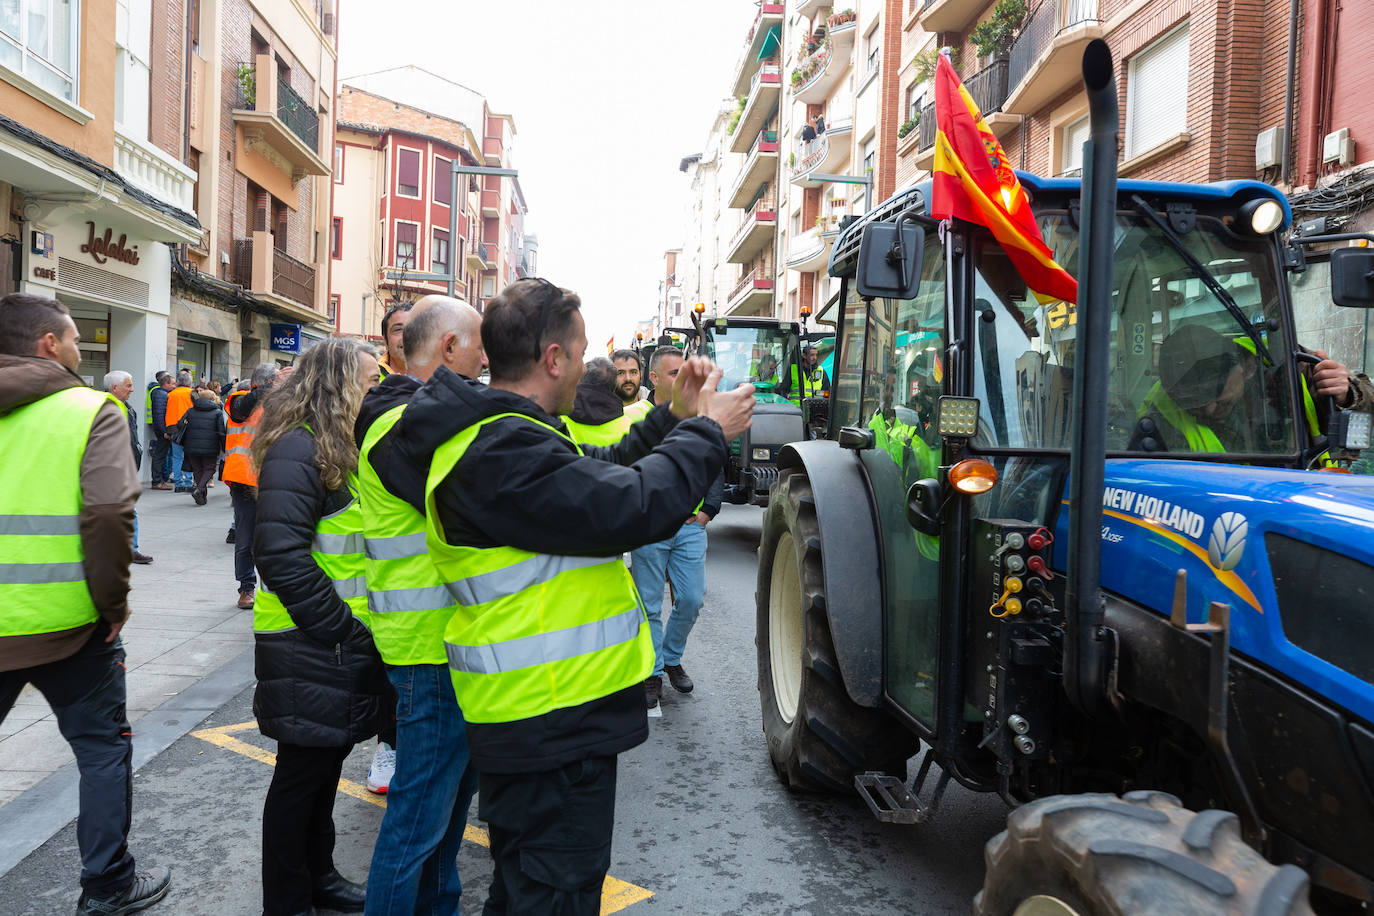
<point x="771" y="42"/>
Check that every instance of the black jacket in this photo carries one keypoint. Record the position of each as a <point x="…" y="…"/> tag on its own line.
<point x="242" y="407"/>
<point x="519" y="485"/>
<point x="205" y="429"/>
<point x="321" y="684"/>
<point x="594" y="406"/>
<point x="158" y="415"/>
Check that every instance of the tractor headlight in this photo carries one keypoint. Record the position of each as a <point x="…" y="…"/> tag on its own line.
<point x="762" y="454"/>
<point x="1261" y="216"/>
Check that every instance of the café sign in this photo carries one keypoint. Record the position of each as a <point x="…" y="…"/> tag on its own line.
<point x="102" y="248"/>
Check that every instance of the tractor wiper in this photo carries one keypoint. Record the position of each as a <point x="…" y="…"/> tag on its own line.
<point x="1208" y="278"/>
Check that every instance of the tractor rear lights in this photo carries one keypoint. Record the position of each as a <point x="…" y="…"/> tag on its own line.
<point x="973" y="476"/>
<point x="956" y="418"/>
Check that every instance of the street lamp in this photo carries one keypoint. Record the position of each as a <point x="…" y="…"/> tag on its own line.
<point x="451" y="277"/>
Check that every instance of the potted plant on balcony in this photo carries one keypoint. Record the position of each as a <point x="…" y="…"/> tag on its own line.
<point x="993" y="36"/>
<point x="247" y="76"/>
<point x="908" y="126"/>
<point x="841" y="18"/>
<point x="734" y="121"/>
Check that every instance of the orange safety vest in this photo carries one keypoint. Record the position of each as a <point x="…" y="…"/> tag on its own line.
<point x="178" y="402"/>
<point x="238" y="446"/>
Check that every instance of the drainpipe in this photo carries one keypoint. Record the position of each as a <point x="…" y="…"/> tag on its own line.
<point x="1289" y="74"/>
<point x="1313" y="82"/>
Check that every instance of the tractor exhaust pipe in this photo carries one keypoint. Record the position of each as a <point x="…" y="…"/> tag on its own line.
<point x="1085" y="637"/>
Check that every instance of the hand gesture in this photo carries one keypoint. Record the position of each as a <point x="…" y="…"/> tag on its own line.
<point x="733" y="410"/>
<point x="687" y="386"/>
<point x="1331" y="378"/>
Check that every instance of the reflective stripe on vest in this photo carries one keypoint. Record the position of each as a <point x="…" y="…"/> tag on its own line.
<point x="533" y="632"/>
<point x="238" y="446"/>
<point x="42" y="577"/>
<point x="610" y="432"/>
<point x="409" y="603"/>
<point x="338" y="551"/>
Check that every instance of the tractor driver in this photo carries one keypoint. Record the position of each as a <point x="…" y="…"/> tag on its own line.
<point x="1205" y="399"/>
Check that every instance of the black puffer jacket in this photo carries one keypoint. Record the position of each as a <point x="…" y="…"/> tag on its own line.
<point x="205" y="429"/>
<point x="321" y="684"/>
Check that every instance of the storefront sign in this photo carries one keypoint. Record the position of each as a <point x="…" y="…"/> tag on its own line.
<point x="46" y="273"/>
<point x="101" y="249"/>
<point x="286" y="338"/>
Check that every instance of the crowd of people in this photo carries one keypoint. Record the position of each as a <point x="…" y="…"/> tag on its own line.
<point x="392" y="538"/>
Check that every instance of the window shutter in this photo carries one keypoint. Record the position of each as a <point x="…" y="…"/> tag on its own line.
<point x="405" y="233"/>
<point x="443" y="181"/>
<point x="408" y="169"/>
<point x="1157" y="92"/>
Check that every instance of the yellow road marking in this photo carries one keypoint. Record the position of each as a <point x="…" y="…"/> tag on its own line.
<point x="616" y="895"/>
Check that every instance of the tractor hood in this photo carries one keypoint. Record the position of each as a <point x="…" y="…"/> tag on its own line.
<point x="1292" y="553"/>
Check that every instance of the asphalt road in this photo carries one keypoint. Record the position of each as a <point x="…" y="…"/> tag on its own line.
<point x="702" y="824"/>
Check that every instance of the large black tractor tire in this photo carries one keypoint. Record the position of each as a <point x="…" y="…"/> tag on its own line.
<point x="1143" y="854"/>
<point x="818" y="738"/>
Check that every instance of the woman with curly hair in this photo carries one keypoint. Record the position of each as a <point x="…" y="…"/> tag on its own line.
<point x="321" y="685"/>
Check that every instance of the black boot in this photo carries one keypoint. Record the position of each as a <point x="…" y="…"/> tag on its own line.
<point x="335" y="892"/>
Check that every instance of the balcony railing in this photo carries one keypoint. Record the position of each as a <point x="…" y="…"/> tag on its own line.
<point x="989" y="86"/>
<point x="764" y="137"/>
<point x="1039" y="31"/>
<point x="763" y="210"/>
<point x="242" y="263"/>
<point x="925" y="128"/>
<point x="755" y="279"/>
<point x="293" y="279"/>
<point x="297" y="114"/>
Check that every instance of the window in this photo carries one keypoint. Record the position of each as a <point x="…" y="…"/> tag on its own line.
<point x="405" y="245"/>
<point x="39" y="39"/>
<point x="408" y="172"/>
<point x="873" y="47"/>
<point x="1072" y="137"/>
<point x="461" y="244"/>
<point x="338" y="163"/>
<point x="1157" y="92"/>
<point x="443" y="181"/>
<point x="438" y="252"/>
<point x="336" y="238"/>
<point x="333" y="307"/>
<point x="914" y="102"/>
<point x="488" y="287"/>
<point x="133" y="70"/>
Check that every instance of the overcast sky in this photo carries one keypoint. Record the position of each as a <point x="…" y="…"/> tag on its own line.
<point x="608" y="96"/>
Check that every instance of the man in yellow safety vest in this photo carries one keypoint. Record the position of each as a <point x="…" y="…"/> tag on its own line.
<point x="65" y="547"/>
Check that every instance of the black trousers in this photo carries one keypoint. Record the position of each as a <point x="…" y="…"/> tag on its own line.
<point x="550" y="838"/>
<point x="245" y="505"/>
<point x="298" y="826"/>
<point x="202" y="472"/>
<point x="87" y="694"/>
<point x="158" y="448"/>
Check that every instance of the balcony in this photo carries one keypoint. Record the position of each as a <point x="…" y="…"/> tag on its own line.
<point x="988" y="87"/>
<point x="752" y="295"/>
<point x="492" y="148"/>
<point x="755" y="232"/>
<point x="1047" y="58"/>
<point x="491" y="204"/>
<point x="150" y="169"/>
<point x="817" y="75"/>
<point x="951" y="15"/>
<point x="761" y="165"/>
<point x="271" y="274"/>
<point x="809" y="9"/>
<point x="276" y="121"/>
<point x="476" y="258"/>
<point x="826" y="154"/>
<point x="755" y="47"/>
<point x="764" y="89"/>
<point x="488" y="253"/>
<point x="810" y="251"/>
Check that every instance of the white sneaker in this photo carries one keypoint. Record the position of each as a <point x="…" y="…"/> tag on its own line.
<point x="382" y="769"/>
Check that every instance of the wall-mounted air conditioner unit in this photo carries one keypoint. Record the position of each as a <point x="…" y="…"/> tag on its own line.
<point x="1337" y="147"/>
<point x="1268" y="148"/>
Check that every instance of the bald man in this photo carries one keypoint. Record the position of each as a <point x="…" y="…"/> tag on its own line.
<point x="427" y="780"/>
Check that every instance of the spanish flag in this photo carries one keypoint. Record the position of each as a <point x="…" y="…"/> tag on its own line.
<point x="610" y="346"/>
<point x="973" y="181"/>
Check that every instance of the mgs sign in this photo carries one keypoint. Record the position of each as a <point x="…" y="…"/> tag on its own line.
<point x="102" y="249"/>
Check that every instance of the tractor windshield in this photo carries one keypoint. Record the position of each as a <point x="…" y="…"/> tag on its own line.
<point x="1186" y="376"/>
<point x="762" y="356"/>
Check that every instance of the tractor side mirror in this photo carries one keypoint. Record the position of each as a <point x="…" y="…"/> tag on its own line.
<point x="923" y="506"/>
<point x="890" y="257"/>
<point x="1352" y="277"/>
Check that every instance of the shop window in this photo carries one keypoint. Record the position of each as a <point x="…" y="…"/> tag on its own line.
<point x="38" y="40"/>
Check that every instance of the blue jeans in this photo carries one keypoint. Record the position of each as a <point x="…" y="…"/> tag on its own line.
<point x="135" y="531"/>
<point x="683" y="558"/>
<point x="414" y="864"/>
<point x="179" y="477"/>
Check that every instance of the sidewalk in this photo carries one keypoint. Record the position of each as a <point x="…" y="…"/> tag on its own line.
<point x="184" y="626"/>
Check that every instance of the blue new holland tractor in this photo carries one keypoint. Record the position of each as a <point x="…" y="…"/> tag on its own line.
<point x="1098" y="557"/>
